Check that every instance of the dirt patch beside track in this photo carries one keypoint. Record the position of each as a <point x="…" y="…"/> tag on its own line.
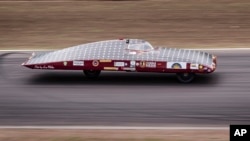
<point x="114" y="135"/>
<point x="176" y="23"/>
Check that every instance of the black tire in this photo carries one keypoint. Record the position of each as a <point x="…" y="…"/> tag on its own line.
<point x="185" y="77"/>
<point x="92" y="73"/>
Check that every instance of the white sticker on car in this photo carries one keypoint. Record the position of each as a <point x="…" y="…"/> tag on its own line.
<point x="78" y="63"/>
<point x="194" y="66"/>
<point x="176" y="65"/>
<point x="151" y="64"/>
<point x="119" y="64"/>
<point x="132" y="64"/>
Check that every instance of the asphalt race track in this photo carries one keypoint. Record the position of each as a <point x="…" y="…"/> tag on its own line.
<point x="47" y="97"/>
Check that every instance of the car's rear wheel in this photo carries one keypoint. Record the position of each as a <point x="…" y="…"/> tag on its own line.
<point x="92" y="73"/>
<point x="185" y="77"/>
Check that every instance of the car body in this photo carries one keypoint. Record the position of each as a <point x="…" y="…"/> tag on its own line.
<point x="126" y="55"/>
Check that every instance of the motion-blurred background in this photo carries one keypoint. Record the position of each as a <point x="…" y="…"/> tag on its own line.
<point x="176" y="23"/>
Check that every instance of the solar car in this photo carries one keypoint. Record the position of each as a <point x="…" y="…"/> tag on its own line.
<point x="126" y="55"/>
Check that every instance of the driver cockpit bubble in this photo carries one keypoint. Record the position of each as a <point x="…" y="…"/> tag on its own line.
<point x="144" y="46"/>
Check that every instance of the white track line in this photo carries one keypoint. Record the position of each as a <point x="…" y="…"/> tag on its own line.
<point x="222" y="49"/>
<point x="113" y="128"/>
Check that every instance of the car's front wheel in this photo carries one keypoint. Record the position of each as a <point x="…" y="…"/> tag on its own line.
<point x="92" y="73"/>
<point x="185" y="77"/>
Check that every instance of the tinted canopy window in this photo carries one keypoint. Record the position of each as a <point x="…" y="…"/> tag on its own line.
<point x="140" y="46"/>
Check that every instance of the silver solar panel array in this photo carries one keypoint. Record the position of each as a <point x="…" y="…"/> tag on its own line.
<point x="116" y="50"/>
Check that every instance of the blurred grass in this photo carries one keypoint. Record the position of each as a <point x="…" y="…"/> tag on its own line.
<point x="114" y="135"/>
<point x="174" y="23"/>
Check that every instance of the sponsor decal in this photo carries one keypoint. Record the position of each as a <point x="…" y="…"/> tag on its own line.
<point x="176" y="66"/>
<point x="200" y="67"/>
<point x="194" y="66"/>
<point x="132" y="64"/>
<point x="103" y="61"/>
<point x="95" y="63"/>
<point x="129" y="69"/>
<point x="110" y="68"/>
<point x="51" y="67"/>
<point x="119" y="64"/>
<point x="78" y="63"/>
<point x="44" y="67"/>
<point x="142" y="64"/>
<point x="65" y="63"/>
<point x="151" y="64"/>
